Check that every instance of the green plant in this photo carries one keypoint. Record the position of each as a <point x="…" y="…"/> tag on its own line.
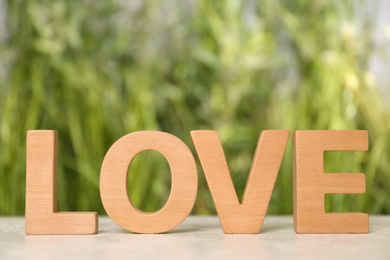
<point x="97" y="70"/>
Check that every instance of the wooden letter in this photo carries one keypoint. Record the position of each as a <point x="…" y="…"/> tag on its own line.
<point x="113" y="182"/>
<point x="311" y="183"/>
<point x="247" y="217"/>
<point x="41" y="191"/>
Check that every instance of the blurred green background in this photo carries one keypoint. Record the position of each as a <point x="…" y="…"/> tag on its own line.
<point x="97" y="70"/>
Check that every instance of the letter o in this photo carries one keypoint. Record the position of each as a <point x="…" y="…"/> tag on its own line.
<point x="113" y="182"/>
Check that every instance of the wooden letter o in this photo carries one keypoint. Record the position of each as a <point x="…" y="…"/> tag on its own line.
<point x="113" y="182"/>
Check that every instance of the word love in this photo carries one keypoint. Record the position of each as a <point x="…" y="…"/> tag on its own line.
<point x="310" y="183"/>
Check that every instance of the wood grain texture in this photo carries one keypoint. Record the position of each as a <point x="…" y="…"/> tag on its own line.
<point x="311" y="183"/>
<point x="246" y="217"/>
<point x="113" y="182"/>
<point x="41" y="191"/>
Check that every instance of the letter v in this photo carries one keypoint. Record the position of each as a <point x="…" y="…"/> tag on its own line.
<point x="246" y="217"/>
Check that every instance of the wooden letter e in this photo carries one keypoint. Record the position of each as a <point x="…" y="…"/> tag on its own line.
<point x="311" y="183"/>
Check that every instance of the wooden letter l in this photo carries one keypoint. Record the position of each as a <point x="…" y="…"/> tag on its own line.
<point x="42" y="217"/>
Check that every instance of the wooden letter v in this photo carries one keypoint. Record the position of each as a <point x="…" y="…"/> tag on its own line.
<point x="246" y="217"/>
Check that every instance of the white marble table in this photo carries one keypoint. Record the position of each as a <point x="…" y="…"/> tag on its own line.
<point x="196" y="238"/>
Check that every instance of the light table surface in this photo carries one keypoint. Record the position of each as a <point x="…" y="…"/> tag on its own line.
<point x="196" y="238"/>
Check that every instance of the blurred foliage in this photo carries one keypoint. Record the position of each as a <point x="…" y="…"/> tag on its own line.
<point x="97" y="70"/>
